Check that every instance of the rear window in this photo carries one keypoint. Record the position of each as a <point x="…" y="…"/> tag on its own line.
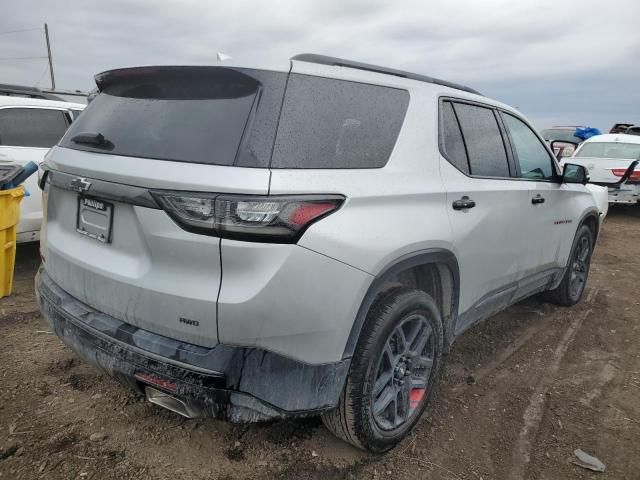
<point x="31" y="127"/>
<point x="226" y="116"/>
<point x="209" y="115"/>
<point x="328" y="123"/>
<point x="628" y="151"/>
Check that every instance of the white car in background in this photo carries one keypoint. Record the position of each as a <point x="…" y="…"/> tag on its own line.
<point x="607" y="158"/>
<point x="29" y="127"/>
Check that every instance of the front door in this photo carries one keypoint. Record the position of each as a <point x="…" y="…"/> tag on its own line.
<point x="549" y="210"/>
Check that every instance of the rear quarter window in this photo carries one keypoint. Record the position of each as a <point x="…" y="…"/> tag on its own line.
<point x="328" y="123"/>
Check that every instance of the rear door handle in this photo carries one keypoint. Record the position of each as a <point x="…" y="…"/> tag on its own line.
<point x="537" y="199"/>
<point x="464" y="203"/>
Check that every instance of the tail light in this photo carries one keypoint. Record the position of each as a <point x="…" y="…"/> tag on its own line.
<point x="619" y="172"/>
<point x="276" y="219"/>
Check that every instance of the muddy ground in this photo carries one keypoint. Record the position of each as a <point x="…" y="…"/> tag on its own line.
<point x="520" y="393"/>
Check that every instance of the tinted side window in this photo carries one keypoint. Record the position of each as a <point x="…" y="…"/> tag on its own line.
<point x="452" y="141"/>
<point x="533" y="158"/>
<point x="328" y="123"/>
<point x="485" y="146"/>
<point x="31" y="127"/>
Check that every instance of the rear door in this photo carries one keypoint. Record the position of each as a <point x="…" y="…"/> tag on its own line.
<point x="165" y="130"/>
<point x="486" y="207"/>
<point x="551" y="207"/>
<point x="26" y="134"/>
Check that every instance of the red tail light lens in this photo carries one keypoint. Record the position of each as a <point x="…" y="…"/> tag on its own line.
<point x="619" y="172"/>
<point x="276" y="219"/>
<point x="304" y="213"/>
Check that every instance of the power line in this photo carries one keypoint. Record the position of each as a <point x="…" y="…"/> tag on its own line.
<point x="21" y="58"/>
<point x="49" y="57"/>
<point x="21" y="30"/>
<point x="46" y="67"/>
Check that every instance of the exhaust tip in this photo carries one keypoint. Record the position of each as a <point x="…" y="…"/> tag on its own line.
<point x="165" y="400"/>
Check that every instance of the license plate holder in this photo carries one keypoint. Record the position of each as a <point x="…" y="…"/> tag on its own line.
<point x="95" y="218"/>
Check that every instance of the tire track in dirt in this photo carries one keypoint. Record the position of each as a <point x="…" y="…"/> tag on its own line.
<point x="533" y="414"/>
<point x="501" y="358"/>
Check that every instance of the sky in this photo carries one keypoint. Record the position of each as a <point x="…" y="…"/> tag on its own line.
<point x="559" y="62"/>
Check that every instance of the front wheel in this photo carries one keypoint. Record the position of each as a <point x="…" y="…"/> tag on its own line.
<point x="392" y="372"/>
<point x="574" y="281"/>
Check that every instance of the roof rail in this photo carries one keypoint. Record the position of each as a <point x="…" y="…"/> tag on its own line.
<point x="340" y="62"/>
<point x="23" y="91"/>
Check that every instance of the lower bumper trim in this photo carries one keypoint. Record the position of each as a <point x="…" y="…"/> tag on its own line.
<point x="237" y="384"/>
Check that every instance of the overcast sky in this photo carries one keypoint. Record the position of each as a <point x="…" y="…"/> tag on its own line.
<point x="559" y="62"/>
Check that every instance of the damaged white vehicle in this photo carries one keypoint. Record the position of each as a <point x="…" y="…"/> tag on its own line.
<point x="607" y="158"/>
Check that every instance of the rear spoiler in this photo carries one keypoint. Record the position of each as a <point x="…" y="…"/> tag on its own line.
<point x="178" y="82"/>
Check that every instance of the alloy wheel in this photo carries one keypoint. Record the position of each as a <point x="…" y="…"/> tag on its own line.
<point x="403" y="372"/>
<point x="579" y="267"/>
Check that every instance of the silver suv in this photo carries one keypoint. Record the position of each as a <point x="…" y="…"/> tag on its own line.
<point x="253" y="244"/>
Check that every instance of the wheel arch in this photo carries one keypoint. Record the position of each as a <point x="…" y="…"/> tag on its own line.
<point x="437" y="266"/>
<point x="591" y="218"/>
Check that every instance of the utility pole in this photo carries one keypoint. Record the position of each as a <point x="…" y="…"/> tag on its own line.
<point x="46" y="34"/>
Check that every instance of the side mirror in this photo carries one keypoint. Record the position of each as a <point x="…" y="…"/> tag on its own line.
<point x="563" y="148"/>
<point x="572" y="173"/>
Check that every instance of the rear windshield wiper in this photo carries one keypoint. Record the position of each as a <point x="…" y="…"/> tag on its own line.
<point x="91" y="138"/>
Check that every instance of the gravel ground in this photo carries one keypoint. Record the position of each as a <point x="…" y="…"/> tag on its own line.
<point x="519" y="394"/>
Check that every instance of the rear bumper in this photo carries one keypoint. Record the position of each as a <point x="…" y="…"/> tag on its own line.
<point x="231" y="383"/>
<point x="30" y="217"/>
<point x="628" y="194"/>
<point x="24" y="237"/>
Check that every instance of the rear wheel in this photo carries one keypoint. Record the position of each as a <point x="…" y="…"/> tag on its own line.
<point x="392" y="372"/>
<point x="572" y="286"/>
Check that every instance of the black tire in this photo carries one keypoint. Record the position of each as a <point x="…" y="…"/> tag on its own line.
<point x="568" y="293"/>
<point x="391" y="322"/>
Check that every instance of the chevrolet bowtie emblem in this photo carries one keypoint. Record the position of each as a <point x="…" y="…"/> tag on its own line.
<point x="80" y="184"/>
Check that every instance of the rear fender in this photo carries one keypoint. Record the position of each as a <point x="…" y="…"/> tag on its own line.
<point x="423" y="257"/>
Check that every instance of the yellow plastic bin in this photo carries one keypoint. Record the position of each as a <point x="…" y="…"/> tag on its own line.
<point x="9" y="216"/>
